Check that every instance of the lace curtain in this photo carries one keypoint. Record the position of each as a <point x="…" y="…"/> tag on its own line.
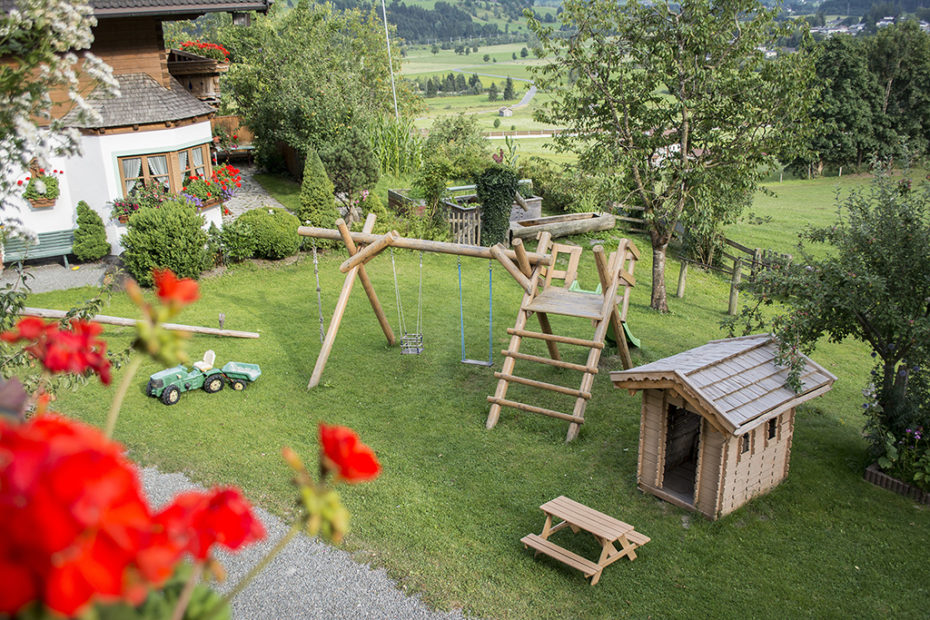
<point x="132" y="170"/>
<point x="158" y="168"/>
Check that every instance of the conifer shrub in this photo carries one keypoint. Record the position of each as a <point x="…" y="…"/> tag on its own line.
<point x="317" y="207"/>
<point x="169" y="237"/>
<point x="496" y="187"/>
<point x="274" y="232"/>
<point x="90" y="238"/>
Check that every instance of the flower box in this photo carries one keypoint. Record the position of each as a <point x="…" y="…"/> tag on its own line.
<point x="876" y="476"/>
<point x="42" y="203"/>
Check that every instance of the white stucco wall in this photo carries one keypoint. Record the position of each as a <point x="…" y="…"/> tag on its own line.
<point x="94" y="178"/>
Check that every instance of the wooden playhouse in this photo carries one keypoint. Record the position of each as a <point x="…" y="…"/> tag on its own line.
<point x="717" y="422"/>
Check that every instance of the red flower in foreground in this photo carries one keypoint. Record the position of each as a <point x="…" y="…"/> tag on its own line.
<point x="75" y="350"/>
<point x="72" y="517"/>
<point x="343" y="452"/>
<point x="174" y="291"/>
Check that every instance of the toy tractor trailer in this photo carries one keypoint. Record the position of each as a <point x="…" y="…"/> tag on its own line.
<point x="168" y="385"/>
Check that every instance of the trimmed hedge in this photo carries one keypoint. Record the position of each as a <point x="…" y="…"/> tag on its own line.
<point x="170" y="236"/>
<point x="90" y="238"/>
<point x="274" y="232"/>
<point x="496" y="188"/>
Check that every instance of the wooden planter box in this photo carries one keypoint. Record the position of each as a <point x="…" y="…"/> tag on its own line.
<point x="877" y="477"/>
<point x="42" y="203"/>
<point x="562" y="225"/>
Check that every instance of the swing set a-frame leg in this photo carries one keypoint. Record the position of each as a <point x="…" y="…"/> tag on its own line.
<point x="343" y="301"/>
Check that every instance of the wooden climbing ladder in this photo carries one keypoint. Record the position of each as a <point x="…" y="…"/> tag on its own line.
<point x="605" y="309"/>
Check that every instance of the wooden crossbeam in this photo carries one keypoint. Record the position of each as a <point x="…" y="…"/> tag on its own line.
<point x="549" y="362"/>
<point x="366" y="254"/>
<point x="503" y="402"/>
<point x="581" y="342"/>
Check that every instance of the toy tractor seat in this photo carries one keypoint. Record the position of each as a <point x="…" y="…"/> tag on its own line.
<point x="207" y="362"/>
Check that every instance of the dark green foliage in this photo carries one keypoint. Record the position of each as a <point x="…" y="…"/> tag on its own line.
<point x="350" y="162"/>
<point x="317" y="207"/>
<point x="431" y="89"/>
<point x="90" y="238"/>
<point x="508" y="88"/>
<point x="167" y="237"/>
<point x="497" y="186"/>
<point x="274" y="232"/>
<point x="492" y="92"/>
<point x="237" y="241"/>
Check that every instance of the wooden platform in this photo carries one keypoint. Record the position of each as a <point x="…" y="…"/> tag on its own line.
<point x="567" y="303"/>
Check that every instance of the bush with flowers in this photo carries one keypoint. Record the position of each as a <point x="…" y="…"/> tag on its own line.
<point x="41" y="185"/>
<point x="222" y="184"/>
<point x="77" y="534"/>
<point x="206" y="49"/>
<point x="224" y="139"/>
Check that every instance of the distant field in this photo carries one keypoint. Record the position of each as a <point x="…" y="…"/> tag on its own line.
<point x="486" y="112"/>
<point x="420" y="60"/>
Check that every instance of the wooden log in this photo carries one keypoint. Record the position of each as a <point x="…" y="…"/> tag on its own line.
<point x="366" y="281"/>
<point x="423" y="245"/>
<point x="338" y="313"/>
<point x="497" y="251"/>
<point x="369" y="252"/>
<point x="545" y="360"/>
<point x="561" y="389"/>
<point x="583" y="222"/>
<point x="533" y="409"/>
<point x="547" y="329"/>
<point x="734" y="286"/>
<point x="522" y="261"/>
<point x="123" y="322"/>
<point x="682" y="279"/>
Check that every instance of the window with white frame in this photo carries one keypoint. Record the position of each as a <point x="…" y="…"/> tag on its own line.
<point x="168" y="170"/>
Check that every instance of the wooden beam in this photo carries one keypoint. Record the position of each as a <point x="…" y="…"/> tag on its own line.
<point x="123" y="322"/>
<point x="497" y="251"/>
<point x="581" y="342"/>
<point x="366" y="281"/>
<point x="369" y="252"/>
<point x="341" y="304"/>
<point x="522" y="261"/>
<point x="423" y="245"/>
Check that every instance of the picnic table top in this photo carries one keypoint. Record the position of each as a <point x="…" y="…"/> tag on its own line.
<point x="589" y="519"/>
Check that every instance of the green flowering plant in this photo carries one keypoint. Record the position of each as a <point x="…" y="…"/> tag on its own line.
<point x="41" y="185"/>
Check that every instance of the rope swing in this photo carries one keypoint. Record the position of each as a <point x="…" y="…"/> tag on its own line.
<point x="490" y="360"/>
<point x="411" y="343"/>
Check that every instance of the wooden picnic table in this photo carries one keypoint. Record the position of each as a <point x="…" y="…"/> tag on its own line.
<point x="605" y="529"/>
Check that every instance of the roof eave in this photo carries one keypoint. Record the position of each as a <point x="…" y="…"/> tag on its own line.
<point x="180" y="10"/>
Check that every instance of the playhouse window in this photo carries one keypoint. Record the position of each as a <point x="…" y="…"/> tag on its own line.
<point x="746" y="443"/>
<point x="773" y="428"/>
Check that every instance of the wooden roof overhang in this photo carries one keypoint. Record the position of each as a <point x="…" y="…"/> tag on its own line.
<point x="734" y="383"/>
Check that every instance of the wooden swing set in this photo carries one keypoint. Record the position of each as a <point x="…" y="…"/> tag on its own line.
<point x="546" y="291"/>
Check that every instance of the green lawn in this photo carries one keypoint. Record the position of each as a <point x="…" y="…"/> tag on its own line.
<point x="446" y="516"/>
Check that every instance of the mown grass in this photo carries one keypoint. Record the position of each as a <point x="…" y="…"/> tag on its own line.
<point x="446" y="516"/>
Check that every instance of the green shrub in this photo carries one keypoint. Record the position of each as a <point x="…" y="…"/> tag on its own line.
<point x="459" y="139"/>
<point x="236" y="241"/>
<point x="350" y="162"/>
<point x="497" y="123"/>
<point x="167" y="237"/>
<point x="317" y="207"/>
<point x="497" y="186"/>
<point x="90" y="238"/>
<point x="274" y="232"/>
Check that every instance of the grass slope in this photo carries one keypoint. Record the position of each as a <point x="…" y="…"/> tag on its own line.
<point x="447" y="514"/>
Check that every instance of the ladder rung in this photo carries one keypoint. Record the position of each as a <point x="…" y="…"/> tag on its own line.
<point x="550" y="362"/>
<point x="542" y="384"/>
<point x="554" y="338"/>
<point x="524" y="407"/>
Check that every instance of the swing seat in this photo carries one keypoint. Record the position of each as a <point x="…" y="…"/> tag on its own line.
<point x="486" y="363"/>
<point x="411" y="344"/>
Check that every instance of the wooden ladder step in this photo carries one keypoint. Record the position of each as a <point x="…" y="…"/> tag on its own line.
<point x="543" y="385"/>
<point x="540" y="544"/>
<point x="523" y="333"/>
<point x="503" y="402"/>
<point x="551" y="362"/>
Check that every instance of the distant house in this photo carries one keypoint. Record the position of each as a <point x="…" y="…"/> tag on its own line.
<point x="156" y="132"/>
<point x="717" y="422"/>
<point x="505" y="111"/>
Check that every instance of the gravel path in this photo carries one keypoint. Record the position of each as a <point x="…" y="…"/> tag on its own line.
<point x="308" y="579"/>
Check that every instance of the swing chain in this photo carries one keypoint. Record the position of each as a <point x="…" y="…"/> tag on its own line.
<point x="319" y="297"/>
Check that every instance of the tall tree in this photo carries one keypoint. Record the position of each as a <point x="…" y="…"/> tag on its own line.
<point x="508" y="89"/>
<point x="675" y="100"/>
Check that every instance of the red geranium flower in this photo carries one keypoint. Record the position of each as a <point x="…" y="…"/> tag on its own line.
<point x="72" y="514"/>
<point x="344" y="453"/>
<point x="74" y="350"/>
<point x="174" y="291"/>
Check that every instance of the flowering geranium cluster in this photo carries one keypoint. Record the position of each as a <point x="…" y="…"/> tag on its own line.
<point x="75" y="349"/>
<point x="222" y="185"/>
<point x="210" y="50"/>
<point x="41" y="184"/>
<point x="78" y="529"/>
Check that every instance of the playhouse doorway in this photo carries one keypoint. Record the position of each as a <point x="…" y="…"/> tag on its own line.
<point x="682" y="446"/>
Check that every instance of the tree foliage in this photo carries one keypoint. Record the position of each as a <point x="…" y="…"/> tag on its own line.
<point x="873" y="287"/>
<point x="496" y="188"/>
<point x="459" y="139"/>
<point x="676" y="101"/>
<point x="90" y="237"/>
<point x="306" y="75"/>
<point x="317" y="207"/>
<point x="350" y="162"/>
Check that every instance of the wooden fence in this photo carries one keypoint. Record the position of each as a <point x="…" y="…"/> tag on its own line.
<point x="465" y="223"/>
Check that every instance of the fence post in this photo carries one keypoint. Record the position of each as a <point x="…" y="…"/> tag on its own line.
<point x="682" y="275"/>
<point x="734" y="285"/>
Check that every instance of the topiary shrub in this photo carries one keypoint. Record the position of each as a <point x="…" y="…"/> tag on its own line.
<point x="167" y="237"/>
<point x="90" y="238"/>
<point x="317" y="207"/>
<point x="274" y="232"/>
<point x="236" y="241"/>
<point x="497" y="186"/>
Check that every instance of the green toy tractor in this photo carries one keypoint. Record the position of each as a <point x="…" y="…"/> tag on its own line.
<point x="167" y="385"/>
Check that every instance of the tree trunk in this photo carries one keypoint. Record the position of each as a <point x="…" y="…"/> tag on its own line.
<point x="658" y="276"/>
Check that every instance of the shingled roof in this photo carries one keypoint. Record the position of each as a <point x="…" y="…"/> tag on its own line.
<point x="735" y="381"/>
<point x="128" y="8"/>
<point x="142" y="101"/>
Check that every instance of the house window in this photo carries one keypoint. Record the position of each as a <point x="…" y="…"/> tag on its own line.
<point x="169" y="170"/>
<point x="773" y="428"/>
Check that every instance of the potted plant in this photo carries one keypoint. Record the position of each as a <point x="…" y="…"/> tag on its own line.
<point x="41" y="188"/>
<point x="208" y="50"/>
<point x="123" y="208"/>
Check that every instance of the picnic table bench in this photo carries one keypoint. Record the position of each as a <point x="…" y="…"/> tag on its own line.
<point x="605" y="529"/>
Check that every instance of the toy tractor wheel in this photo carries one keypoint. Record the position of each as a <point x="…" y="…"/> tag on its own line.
<point x="171" y="395"/>
<point x="213" y="384"/>
<point x="237" y="385"/>
<point x="150" y="388"/>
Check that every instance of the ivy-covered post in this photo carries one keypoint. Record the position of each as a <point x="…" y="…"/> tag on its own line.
<point x="496" y="187"/>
